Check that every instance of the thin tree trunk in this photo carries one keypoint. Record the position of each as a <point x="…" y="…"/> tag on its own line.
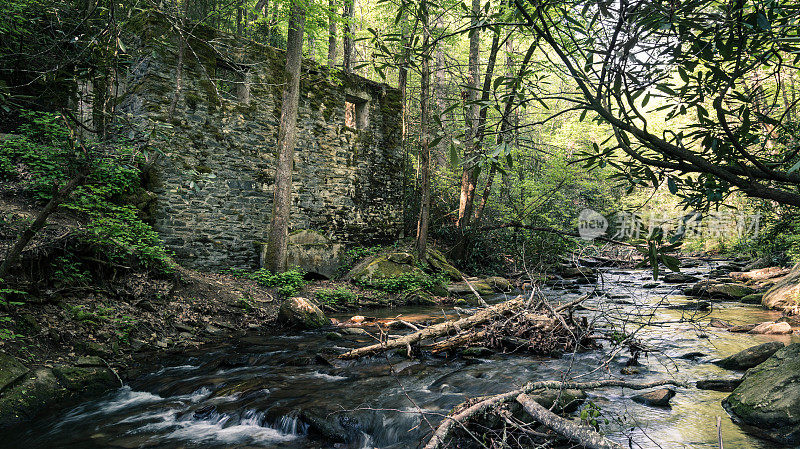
<point x="424" y="151"/>
<point x="275" y="259"/>
<point x="506" y="128"/>
<point x="312" y="52"/>
<point x="441" y="102"/>
<point x="469" y="172"/>
<point x="39" y="222"/>
<point x="179" y="69"/>
<point x="347" y="36"/>
<point x="331" y="33"/>
<point x="239" y="14"/>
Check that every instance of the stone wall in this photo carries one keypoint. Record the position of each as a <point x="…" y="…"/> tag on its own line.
<point x="215" y="171"/>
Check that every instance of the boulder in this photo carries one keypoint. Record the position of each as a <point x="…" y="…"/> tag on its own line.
<point x="658" y="398"/>
<point x="679" y="278"/>
<point x="488" y="286"/>
<point x="750" y="357"/>
<point x="759" y="275"/>
<point x="770" y="328"/>
<point x="762" y="262"/>
<point x="300" y="312"/>
<point x="720" y="290"/>
<point x="11" y="370"/>
<point x="768" y="399"/>
<point x="785" y="294"/>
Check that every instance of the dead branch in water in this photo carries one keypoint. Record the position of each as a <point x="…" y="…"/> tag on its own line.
<point x="491" y="403"/>
<point x="574" y="432"/>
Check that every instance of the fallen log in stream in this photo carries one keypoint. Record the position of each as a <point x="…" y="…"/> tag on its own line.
<point x="463" y="331"/>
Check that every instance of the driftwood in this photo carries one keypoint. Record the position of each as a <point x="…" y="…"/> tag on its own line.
<point x="440" y="329"/>
<point x="574" y="432"/>
<point x="492" y="402"/>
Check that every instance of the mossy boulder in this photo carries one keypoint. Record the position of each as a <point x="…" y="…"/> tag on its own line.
<point x="302" y="313"/>
<point x="384" y="266"/>
<point x="438" y="261"/>
<point x="719" y="290"/>
<point x="767" y="401"/>
<point x="755" y="298"/>
<point x="375" y="270"/>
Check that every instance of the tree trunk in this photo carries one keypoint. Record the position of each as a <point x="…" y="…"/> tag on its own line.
<point x="331" y="33"/>
<point x="469" y="172"/>
<point x="239" y="23"/>
<point x="282" y="197"/>
<point x="424" y="150"/>
<point x="181" y="54"/>
<point x="440" y="93"/>
<point x="347" y="36"/>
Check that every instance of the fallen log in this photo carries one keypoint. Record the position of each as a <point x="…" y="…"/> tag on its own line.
<point x="582" y="435"/>
<point x="461" y="416"/>
<point x="440" y="329"/>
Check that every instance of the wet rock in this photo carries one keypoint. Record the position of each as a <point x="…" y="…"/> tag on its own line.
<point x="630" y="370"/>
<point x="726" y="385"/>
<point x="204" y="412"/>
<point x="693" y="305"/>
<point x="722" y="324"/>
<point x="719" y="290"/>
<point x="333" y="336"/>
<point x="785" y="293"/>
<point x="91" y="360"/>
<point x="569" y="272"/>
<point x="300" y="312"/>
<point x="768" y="399"/>
<point x="658" y="398"/>
<point x="353" y="331"/>
<point x="750" y="357"/>
<point x="462" y="289"/>
<point x="679" y="278"/>
<point x="694" y="355"/>
<point x="476" y="351"/>
<point x="651" y="285"/>
<point x="760" y="274"/>
<point x="740" y="328"/>
<point x="770" y="328"/>
<point x="755" y="298"/>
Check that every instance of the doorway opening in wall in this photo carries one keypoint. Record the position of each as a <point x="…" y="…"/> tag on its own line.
<point x="356" y="113"/>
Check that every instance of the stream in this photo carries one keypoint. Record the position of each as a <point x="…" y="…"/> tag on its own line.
<point x="274" y="392"/>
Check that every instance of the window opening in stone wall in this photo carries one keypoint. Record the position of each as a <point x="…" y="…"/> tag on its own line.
<point x="356" y="112"/>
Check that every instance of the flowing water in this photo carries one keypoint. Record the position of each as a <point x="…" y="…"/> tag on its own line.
<point x="274" y="392"/>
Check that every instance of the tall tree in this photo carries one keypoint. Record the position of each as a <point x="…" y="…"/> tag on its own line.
<point x="424" y="149"/>
<point x="469" y="172"/>
<point x="331" y="33"/>
<point x="347" y="36"/>
<point x="282" y="195"/>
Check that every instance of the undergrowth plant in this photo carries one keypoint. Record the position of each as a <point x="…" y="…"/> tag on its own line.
<point x="43" y="156"/>
<point x="288" y="283"/>
<point x="339" y="296"/>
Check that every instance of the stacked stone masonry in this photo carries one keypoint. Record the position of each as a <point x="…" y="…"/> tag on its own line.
<point x="215" y="172"/>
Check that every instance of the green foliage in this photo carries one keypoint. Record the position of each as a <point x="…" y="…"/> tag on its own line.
<point x="288" y="283"/>
<point x="591" y="413"/>
<point x="6" y="334"/>
<point x="69" y="271"/>
<point x="336" y="297"/>
<point x="407" y="282"/>
<point x="42" y="158"/>
<point x="778" y="239"/>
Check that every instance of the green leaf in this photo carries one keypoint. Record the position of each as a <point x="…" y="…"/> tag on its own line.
<point x="673" y="188"/>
